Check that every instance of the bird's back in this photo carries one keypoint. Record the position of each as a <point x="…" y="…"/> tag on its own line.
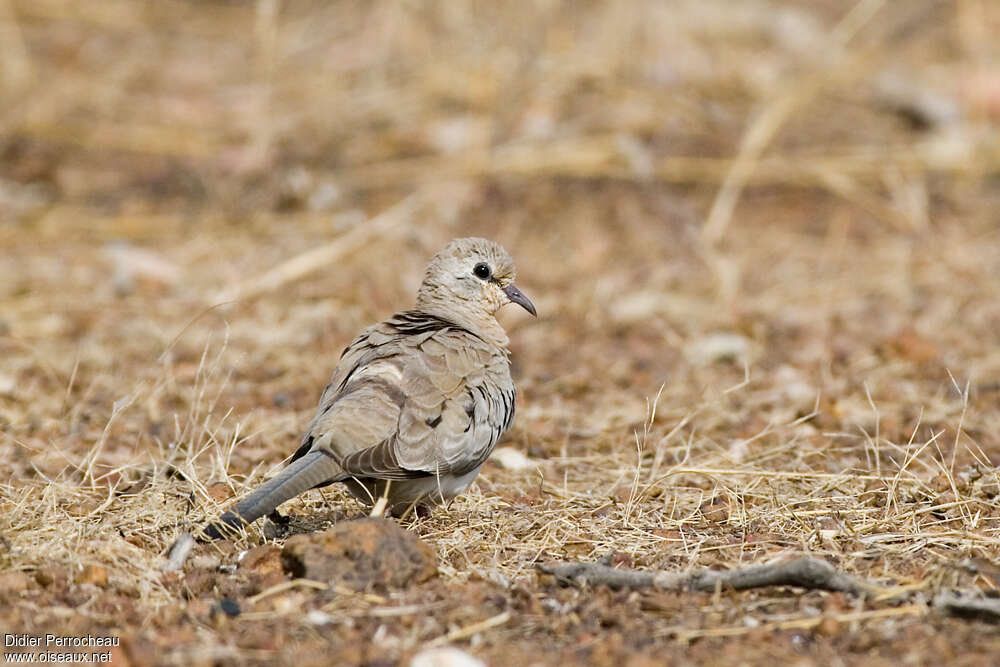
<point x="414" y="396"/>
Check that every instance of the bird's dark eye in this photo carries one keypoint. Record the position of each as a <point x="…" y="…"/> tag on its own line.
<point x="482" y="271"/>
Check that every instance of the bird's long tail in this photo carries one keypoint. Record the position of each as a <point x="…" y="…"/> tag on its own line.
<point x="313" y="469"/>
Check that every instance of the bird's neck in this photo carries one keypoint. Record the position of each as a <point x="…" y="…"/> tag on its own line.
<point x="483" y="325"/>
<point x="489" y="330"/>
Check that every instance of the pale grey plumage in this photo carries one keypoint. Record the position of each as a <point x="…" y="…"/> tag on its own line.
<point x="418" y="401"/>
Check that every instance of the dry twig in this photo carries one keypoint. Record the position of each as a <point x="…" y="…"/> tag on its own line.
<point x="470" y="630"/>
<point x="811" y="573"/>
<point x="764" y="128"/>
<point x="955" y="604"/>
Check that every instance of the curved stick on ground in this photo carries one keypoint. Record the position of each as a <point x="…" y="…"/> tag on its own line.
<point x="953" y="604"/>
<point x="811" y="573"/>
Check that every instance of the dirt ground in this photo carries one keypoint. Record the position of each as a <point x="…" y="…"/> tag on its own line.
<point x="763" y="242"/>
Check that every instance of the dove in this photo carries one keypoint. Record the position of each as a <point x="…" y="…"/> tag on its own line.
<point x="417" y="402"/>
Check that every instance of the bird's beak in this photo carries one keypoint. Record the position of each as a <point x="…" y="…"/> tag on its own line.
<point x="516" y="296"/>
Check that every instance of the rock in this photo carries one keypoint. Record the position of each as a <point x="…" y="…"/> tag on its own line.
<point x="638" y="306"/>
<point x="941" y="483"/>
<point x="318" y="617"/>
<point x="445" y="657"/>
<point x="828" y="627"/>
<point x="219" y="492"/>
<point x="798" y="31"/>
<point x="54" y="577"/>
<point x="460" y="133"/>
<point x="512" y="459"/>
<point x="916" y="101"/>
<point x="794" y="387"/>
<point x="718" y="347"/>
<point x="909" y="346"/>
<point x="227" y="606"/>
<point x="14" y="582"/>
<point x="93" y="574"/>
<point x="362" y="555"/>
<point x="990" y="487"/>
<point x="716" y="512"/>
<point x="131" y="264"/>
<point x="7" y="384"/>
<point x="263" y="559"/>
<point x="263" y="564"/>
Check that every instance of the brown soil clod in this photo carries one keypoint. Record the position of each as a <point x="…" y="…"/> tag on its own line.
<point x="366" y="554"/>
<point x="263" y="559"/>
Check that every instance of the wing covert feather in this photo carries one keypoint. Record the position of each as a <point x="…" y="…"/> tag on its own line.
<point x="415" y="396"/>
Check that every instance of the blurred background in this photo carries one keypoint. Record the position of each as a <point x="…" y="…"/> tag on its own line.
<point x="763" y="238"/>
<point x="810" y="185"/>
<point x="139" y="121"/>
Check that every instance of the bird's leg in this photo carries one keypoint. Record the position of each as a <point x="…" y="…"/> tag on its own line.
<point x="279" y="519"/>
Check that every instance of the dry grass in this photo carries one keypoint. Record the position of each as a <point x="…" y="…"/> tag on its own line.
<point x="768" y="311"/>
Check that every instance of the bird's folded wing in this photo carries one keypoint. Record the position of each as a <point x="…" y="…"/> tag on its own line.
<point x="425" y="408"/>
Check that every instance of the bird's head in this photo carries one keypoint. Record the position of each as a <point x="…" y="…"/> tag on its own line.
<point x="470" y="279"/>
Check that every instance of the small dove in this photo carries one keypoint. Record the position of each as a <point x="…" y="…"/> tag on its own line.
<point x="417" y="402"/>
